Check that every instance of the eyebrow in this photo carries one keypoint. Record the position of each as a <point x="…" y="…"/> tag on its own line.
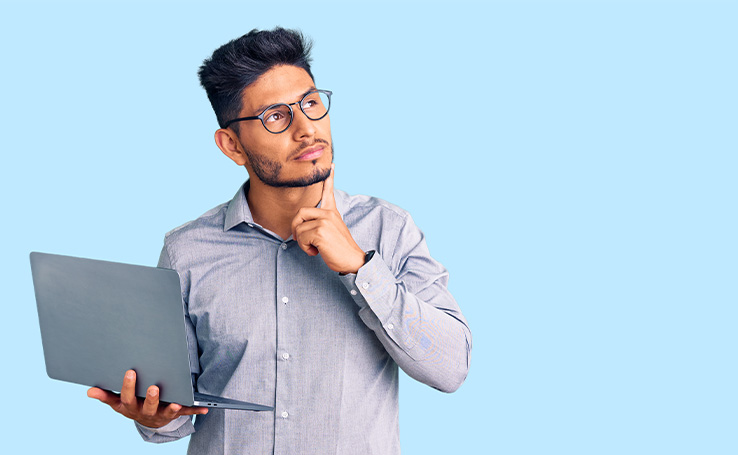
<point x="261" y="108"/>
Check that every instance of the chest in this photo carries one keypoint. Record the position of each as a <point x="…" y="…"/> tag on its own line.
<point x="265" y="294"/>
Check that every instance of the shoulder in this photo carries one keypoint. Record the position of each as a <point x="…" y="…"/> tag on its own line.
<point x="208" y="221"/>
<point x="361" y="206"/>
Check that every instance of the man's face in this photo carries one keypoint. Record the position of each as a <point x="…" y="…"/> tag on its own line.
<point x="300" y="156"/>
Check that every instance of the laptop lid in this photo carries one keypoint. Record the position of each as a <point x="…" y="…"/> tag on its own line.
<point x="99" y="319"/>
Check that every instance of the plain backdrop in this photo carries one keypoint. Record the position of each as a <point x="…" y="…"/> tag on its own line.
<point x="573" y="165"/>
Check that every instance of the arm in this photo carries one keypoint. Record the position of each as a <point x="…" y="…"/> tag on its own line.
<point x="401" y="291"/>
<point x="405" y="301"/>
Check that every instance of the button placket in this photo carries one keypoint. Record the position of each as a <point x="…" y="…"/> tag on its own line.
<point x="284" y="292"/>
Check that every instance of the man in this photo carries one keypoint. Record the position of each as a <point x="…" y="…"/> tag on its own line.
<point x="298" y="295"/>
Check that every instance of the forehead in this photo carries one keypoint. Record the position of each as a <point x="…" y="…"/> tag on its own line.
<point x="281" y="84"/>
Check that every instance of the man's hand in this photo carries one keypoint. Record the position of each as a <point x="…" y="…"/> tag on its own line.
<point x="147" y="412"/>
<point x="321" y="230"/>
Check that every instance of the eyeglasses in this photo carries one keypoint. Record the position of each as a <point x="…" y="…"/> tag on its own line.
<point x="278" y="117"/>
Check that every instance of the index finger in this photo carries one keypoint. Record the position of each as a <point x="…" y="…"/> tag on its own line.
<point x="328" y="200"/>
<point x="128" y="391"/>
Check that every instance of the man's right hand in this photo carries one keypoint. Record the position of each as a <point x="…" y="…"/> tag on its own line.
<point x="148" y="412"/>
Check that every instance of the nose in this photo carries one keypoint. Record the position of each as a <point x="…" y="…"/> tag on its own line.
<point x="302" y="127"/>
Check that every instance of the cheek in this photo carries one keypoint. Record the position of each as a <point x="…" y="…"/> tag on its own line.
<point x="324" y="129"/>
<point x="274" y="147"/>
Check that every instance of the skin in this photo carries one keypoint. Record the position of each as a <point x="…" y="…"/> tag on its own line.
<point x="149" y="412"/>
<point x="291" y="211"/>
<point x="288" y="211"/>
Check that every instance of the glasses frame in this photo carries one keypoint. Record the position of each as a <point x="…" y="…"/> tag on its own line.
<point x="292" y="112"/>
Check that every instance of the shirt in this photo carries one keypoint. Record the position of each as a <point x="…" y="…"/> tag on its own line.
<point x="271" y="325"/>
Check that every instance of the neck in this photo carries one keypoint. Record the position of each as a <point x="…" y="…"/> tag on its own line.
<point x="275" y="208"/>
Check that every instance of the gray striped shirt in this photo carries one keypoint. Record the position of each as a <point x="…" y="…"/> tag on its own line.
<point x="275" y="326"/>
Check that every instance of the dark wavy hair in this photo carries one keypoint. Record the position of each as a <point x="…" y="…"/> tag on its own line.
<point x="240" y="62"/>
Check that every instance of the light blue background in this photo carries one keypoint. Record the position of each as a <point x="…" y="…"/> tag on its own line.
<point x="573" y="164"/>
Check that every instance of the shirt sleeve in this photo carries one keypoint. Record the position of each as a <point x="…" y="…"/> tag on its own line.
<point x="404" y="299"/>
<point x="176" y="429"/>
<point x="181" y="426"/>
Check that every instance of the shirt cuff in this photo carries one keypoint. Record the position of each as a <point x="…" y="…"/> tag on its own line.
<point x="373" y="285"/>
<point x="375" y="290"/>
<point x="178" y="428"/>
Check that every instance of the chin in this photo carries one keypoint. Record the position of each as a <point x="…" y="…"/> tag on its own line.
<point x="316" y="175"/>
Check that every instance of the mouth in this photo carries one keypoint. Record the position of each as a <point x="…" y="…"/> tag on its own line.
<point x="311" y="153"/>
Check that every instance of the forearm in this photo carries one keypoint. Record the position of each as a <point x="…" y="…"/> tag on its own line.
<point x="423" y="330"/>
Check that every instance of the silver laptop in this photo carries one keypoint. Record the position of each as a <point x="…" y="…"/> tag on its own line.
<point x="99" y="319"/>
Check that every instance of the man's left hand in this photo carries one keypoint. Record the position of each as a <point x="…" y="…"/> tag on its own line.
<point x="322" y="231"/>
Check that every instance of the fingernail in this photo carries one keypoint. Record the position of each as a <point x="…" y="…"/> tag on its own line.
<point x="130" y="374"/>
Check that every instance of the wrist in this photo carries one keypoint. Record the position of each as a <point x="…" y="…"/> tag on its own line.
<point x="362" y="257"/>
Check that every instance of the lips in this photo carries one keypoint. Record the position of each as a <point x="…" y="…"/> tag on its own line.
<point x="311" y="153"/>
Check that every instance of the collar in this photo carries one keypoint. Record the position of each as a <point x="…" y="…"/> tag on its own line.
<point x="239" y="212"/>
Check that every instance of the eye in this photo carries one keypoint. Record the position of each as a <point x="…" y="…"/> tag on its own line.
<point x="277" y="114"/>
<point x="312" y="101"/>
<point x="274" y="116"/>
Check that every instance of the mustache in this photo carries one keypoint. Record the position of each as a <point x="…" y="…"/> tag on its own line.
<point x="305" y="145"/>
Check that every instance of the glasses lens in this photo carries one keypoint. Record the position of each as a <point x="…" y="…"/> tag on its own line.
<point x="316" y="105"/>
<point x="277" y="118"/>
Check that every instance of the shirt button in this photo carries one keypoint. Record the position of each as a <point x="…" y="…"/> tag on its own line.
<point x="285" y="415"/>
<point x="284" y="246"/>
<point x="390" y="326"/>
<point x="353" y="292"/>
<point x="285" y="300"/>
<point x="285" y="355"/>
<point x="365" y="285"/>
<point x="249" y="225"/>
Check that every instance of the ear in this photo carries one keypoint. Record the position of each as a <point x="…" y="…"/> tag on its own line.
<point x="228" y="143"/>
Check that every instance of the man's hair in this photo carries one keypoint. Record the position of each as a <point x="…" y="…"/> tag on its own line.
<point x="240" y="62"/>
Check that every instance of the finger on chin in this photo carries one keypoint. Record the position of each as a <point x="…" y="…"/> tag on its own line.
<point x="327" y="199"/>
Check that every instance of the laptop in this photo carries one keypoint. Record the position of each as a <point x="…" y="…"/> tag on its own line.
<point x="99" y="319"/>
